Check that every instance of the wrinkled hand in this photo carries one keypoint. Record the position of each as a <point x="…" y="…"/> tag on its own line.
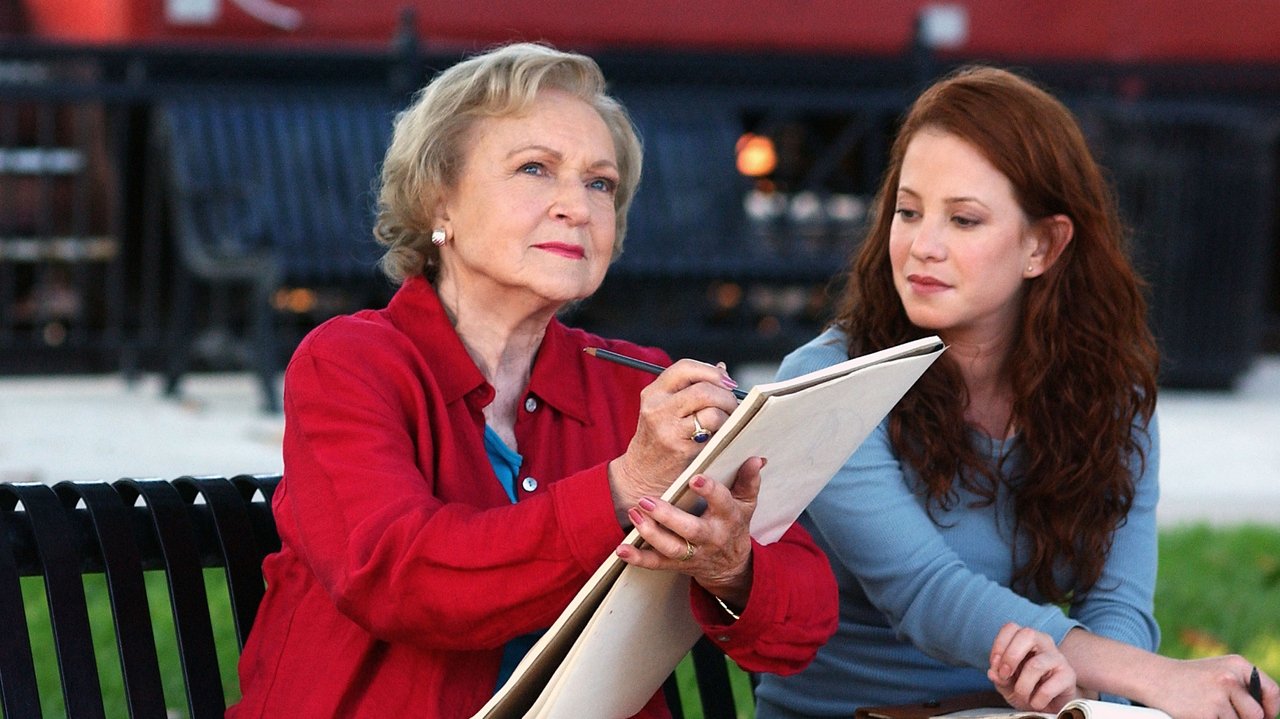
<point x="661" y="447"/>
<point x="1029" y="671"/>
<point x="1213" y="688"/>
<point x="720" y="538"/>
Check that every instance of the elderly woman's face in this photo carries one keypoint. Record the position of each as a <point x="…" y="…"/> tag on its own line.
<point x="531" y="218"/>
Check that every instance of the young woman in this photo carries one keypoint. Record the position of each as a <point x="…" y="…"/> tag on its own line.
<point x="1018" y="478"/>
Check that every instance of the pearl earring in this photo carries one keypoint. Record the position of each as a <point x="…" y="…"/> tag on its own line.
<point x="438" y="237"/>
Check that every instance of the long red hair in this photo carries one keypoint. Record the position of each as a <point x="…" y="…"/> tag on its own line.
<point x="1083" y="362"/>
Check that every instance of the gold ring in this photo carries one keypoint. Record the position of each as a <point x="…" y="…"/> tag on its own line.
<point x="700" y="433"/>
<point x="689" y="550"/>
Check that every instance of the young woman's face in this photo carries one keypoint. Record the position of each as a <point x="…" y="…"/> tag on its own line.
<point x="960" y="245"/>
<point x="531" y="218"/>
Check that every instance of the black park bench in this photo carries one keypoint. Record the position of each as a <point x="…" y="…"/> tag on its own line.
<point x="267" y="189"/>
<point x="194" y="532"/>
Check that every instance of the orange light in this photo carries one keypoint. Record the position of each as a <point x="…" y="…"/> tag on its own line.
<point x="298" y="300"/>
<point x="756" y="155"/>
<point x="726" y="295"/>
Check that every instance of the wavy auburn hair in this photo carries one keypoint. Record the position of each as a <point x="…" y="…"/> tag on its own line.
<point x="1083" y="361"/>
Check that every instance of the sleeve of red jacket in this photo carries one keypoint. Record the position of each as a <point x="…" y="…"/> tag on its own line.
<point x="392" y="556"/>
<point x="790" y="614"/>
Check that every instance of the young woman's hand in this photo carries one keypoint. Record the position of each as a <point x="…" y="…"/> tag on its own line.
<point x="1029" y="671"/>
<point x="1212" y="688"/>
<point x="1215" y="687"/>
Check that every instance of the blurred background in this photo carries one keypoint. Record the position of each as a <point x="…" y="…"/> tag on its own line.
<point x="187" y="186"/>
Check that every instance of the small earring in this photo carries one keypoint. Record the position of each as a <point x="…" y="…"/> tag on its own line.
<point x="1030" y="268"/>
<point x="438" y="237"/>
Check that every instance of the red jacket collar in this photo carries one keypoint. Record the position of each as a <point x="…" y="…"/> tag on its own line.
<point x="417" y="312"/>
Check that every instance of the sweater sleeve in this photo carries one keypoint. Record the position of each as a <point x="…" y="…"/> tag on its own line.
<point x="876" y="530"/>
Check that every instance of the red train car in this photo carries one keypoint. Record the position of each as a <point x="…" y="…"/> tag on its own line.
<point x="1093" y="30"/>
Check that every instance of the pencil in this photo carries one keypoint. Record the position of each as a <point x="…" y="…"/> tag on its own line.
<point x="639" y="364"/>
<point x="1255" y="686"/>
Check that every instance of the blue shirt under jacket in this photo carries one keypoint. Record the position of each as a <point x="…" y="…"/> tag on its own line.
<point x="921" y="602"/>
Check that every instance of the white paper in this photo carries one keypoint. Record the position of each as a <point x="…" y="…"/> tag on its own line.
<point x="628" y="627"/>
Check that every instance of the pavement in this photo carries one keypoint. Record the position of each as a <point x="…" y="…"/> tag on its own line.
<point x="1220" y="459"/>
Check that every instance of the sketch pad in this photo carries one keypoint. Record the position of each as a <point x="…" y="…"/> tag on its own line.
<point x="628" y="627"/>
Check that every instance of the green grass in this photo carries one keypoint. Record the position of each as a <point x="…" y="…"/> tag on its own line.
<point x="100" y="624"/>
<point x="1217" y="592"/>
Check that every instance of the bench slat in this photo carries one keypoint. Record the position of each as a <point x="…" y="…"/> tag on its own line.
<point x="187" y="596"/>
<point x="240" y="556"/>
<point x="64" y="590"/>
<point x="116" y="540"/>
<point x="714" y="690"/>
<point x="21" y="696"/>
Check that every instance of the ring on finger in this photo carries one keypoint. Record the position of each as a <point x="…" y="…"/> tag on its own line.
<point x="689" y="550"/>
<point x="700" y="433"/>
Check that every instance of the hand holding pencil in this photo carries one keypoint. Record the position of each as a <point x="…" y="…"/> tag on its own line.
<point x="700" y="434"/>
<point x="679" y="411"/>
<point x="712" y="547"/>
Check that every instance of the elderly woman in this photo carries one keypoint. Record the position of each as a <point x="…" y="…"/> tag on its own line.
<point x="456" y="467"/>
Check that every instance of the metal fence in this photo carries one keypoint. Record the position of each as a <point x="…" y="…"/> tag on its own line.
<point x="61" y="248"/>
<point x="720" y="263"/>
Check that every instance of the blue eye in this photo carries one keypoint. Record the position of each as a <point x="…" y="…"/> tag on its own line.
<point x="603" y="185"/>
<point x="532" y="168"/>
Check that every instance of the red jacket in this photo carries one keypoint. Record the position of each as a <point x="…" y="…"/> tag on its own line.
<point x="404" y="567"/>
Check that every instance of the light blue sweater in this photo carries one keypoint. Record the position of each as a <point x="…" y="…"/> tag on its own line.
<point x="920" y="603"/>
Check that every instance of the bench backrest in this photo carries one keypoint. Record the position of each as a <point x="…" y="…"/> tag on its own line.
<point x="134" y="528"/>
<point x="179" y="528"/>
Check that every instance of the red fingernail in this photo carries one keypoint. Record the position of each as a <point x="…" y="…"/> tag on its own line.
<point x="698" y="481"/>
<point x="636" y="516"/>
<point x="647" y="504"/>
